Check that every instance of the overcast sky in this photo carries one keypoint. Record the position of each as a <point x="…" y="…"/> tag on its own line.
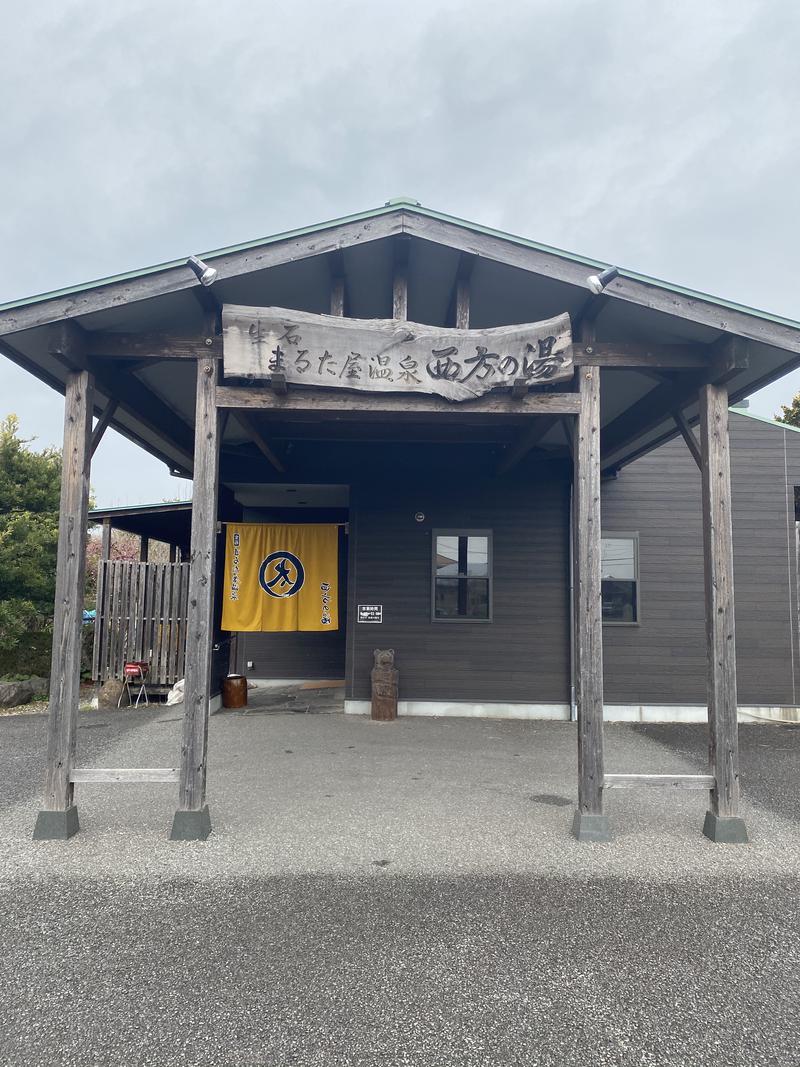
<point x="659" y="135"/>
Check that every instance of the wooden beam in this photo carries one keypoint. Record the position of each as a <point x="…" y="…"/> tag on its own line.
<point x="124" y="775"/>
<point x="652" y="357"/>
<point x="102" y="425"/>
<point x="343" y="404"/>
<point x="590" y="823"/>
<point x="160" y="346"/>
<point x="179" y="277"/>
<point x="152" y="346"/>
<point x="722" y="821"/>
<point x="247" y="423"/>
<point x="192" y="821"/>
<point x="400" y="279"/>
<point x="673" y="781"/>
<point x="59" y="817"/>
<point x="527" y="440"/>
<point x="688" y="435"/>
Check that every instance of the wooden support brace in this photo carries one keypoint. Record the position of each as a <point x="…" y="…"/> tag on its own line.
<point x="59" y="818"/>
<point x="688" y="435"/>
<point x="102" y="425"/>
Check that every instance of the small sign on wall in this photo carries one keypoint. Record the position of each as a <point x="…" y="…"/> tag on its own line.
<point x="370" y="612"/>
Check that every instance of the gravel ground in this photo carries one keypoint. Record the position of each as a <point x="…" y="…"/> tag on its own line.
<point x="400" y="893"/>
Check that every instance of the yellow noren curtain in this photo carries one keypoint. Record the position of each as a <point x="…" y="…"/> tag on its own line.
<point x="281" y="578"/>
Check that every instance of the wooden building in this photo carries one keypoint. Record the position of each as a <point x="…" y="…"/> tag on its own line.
<point x="652" y="593"/>
<point x="467" y="489"/>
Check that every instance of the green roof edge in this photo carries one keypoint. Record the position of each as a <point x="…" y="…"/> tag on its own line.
<point x="391" y="207"/>
<point x="763" y="418"/>
<point x="136" y="507"/>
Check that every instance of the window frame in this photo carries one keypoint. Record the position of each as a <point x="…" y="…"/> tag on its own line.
<point x="630" y="535"/>
<point x="450" y="531"/>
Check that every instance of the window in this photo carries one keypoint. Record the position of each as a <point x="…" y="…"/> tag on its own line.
<point x="462" y="570"/>
<point x="620" y="574"/>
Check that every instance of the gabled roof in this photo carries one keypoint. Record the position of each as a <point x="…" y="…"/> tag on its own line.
<point x="394" y="207"/>
<point x="512" y="280"/>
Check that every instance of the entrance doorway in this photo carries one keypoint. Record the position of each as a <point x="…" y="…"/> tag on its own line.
<point x="297" y="656"/>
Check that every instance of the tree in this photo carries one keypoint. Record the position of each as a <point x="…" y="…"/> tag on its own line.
<point x="124" y="546"/>
<point x="791" y="414"/>
<point x="30" y="485"/>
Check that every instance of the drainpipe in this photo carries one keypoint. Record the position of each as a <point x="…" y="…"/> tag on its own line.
<point x="573" y="700"/>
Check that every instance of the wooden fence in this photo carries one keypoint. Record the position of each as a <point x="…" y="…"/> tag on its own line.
<point x="141" y="615"/>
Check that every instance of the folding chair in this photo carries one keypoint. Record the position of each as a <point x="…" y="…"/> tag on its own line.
<point x="133" y="674"/>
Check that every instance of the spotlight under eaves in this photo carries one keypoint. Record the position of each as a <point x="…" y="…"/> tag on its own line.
<point x="205" y="274"/>
<point x="598" y="282"/>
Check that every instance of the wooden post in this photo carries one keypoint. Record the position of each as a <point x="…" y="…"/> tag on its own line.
<point x="722" y="822"/>
<point x="144" y="548"/>
<point x="400" y="279"/>
<point x="105" y="543"/>
<point x="589" y="824"/>
<point x="192" y="821"/>
<point x="59" y="817"/>
<point x="462" y="304"/>
<point x="337" y="295"/>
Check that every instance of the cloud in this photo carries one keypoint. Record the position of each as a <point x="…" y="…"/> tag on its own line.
<point x="658" y="135"/>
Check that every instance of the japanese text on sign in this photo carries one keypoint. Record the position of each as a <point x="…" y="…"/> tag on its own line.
<point x="387" y="355"/>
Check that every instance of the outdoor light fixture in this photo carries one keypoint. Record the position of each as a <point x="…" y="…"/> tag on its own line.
<point x="205" y="274"/>
<point x="598" y="282"/>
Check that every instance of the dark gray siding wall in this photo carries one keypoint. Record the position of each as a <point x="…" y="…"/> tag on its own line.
<point x="523" y="654"/>
<point x="662" y="660"/>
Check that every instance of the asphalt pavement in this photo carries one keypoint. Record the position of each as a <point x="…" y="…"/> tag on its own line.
<point x="397" y="894"/>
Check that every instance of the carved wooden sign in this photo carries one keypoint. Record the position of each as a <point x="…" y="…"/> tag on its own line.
<point x="390" y="355"/>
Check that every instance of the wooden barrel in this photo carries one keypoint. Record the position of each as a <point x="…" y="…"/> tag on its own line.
<point x="234" y="691"/>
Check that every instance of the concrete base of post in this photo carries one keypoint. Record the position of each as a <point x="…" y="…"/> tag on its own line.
<point x="586" y="827"/>
<point x="725" y="829"/>
<point x="56" y="825"/>
<point x="191" y="825"/>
